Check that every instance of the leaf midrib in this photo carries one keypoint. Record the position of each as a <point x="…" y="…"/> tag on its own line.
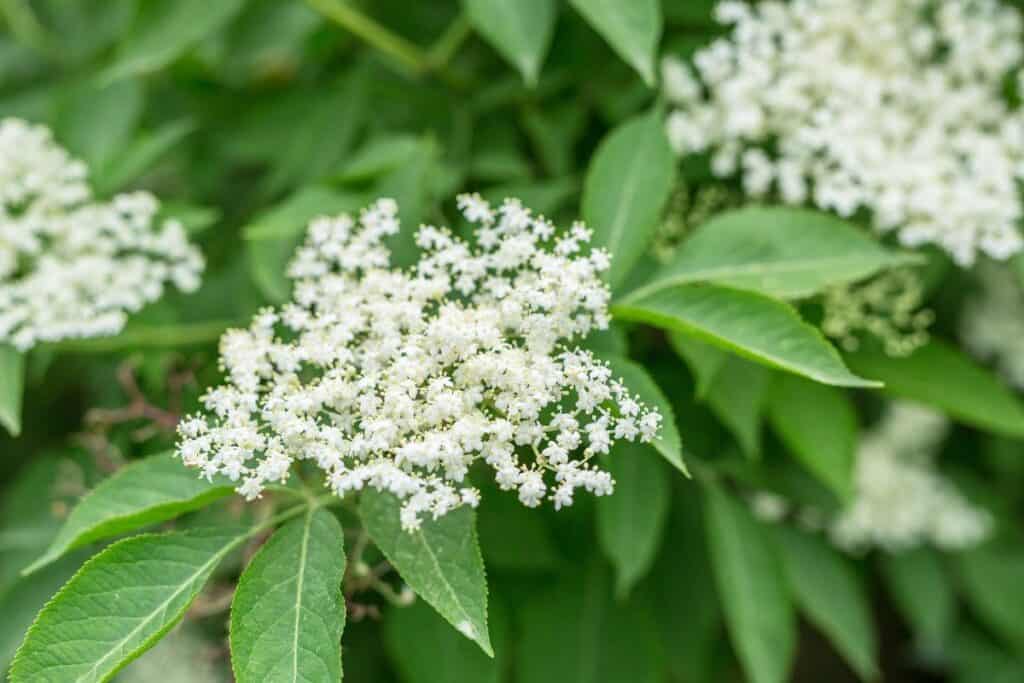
<point x="786" y="267"/>
<point x="444" y="581"/>
<point x="303" y="555"/>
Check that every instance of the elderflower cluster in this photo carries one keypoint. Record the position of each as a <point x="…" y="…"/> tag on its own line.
<point x="900" y="499"/>
<point x="992" y="325"/>
<point x="401" y="380"/>
<point x="888" y="307"/>
<point x="71" y="266"/>
<point x="893" y="107"/>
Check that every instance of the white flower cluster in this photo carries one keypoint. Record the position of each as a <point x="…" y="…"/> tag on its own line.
<point x="901" y="501"/>
<point x="895" y="107"/>
<point x="400" y="380"/>
<point x="71" y="266"/>
<point x="992" y="326"/>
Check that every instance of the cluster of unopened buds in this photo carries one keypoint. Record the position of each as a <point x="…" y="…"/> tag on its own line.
<point x="71" y="265"/>
<point x="401" y="380"/>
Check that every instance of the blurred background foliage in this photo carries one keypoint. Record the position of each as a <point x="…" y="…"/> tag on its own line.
<point x="248" y="117"/>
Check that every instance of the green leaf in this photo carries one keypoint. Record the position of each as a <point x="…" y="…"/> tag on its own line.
<point x="626" y="187"/>
<point x="736" y="397"/>
<point x="991" y="577"/>
<point x="632" y="28"/>
<point x="166" y="29"/>
<point x="921" y="589"/>
<point x="288" y="611"/>
<point x="939" y="375"/>
<point x="749" y="324"/>
<point x="441" y="561"/>
<point x="513" y="537"/>
<point x="705" y="360"/>
<point x="119" y="604"/>
<point x="779" y="251"/>
<point x="575" y="633"/>
<point x="752" y="589"/>
<point x="426" y="649"/>
<point x="21" y="602"/>
<point x="273" y="236"/>
<point x="520" y="31"/>
<point x="12" y="384"/>
<point x="831" y="595"/>
<point x="818" y="424"/>
<point x="687" y="611"/>
<point x="139" y="156"/>
<point x="331" y="121"/>
<point x="377" y="157"/>
<point x="182" y="656"/>
<point x="668" y="442"/>
<point x="411" y="185"/>
<point x="96" y="122"/>
<point x="631" y="521"/>
<point x="152" y="490"/>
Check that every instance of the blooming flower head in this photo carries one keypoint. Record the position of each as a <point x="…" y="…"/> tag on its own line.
<point x="402" y="379"/>
<point x="71" y="266"/>
<point x="894" y="107"/>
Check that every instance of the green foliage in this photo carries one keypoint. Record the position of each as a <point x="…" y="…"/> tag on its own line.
<point x="520" y="31"/>
<point x="633" y="29"/>
<point x="819" y="426"/>
<point x="163" y="30"/>
<point x="273" y="236"/>
<point x="288" y="613"/>
<point x="941" y="376"/>
<point x="921" y="589"/>
<point x="991" y="576"/>
<point x="573" y="631"/>
<point x="762" y="329"/>
<point x="755" y="599"/>
<point x="120" y="603"/>
<point x="440" y="561"/>
<point x="631" y="522"/>
<point x="832" y="596"/>
<point x="12" y="381"/>
<point x="783" y="252"/>
<point x="668" y="442"/>
<point x="427" y="649"/>
<point x="144" y="493"/>
<point x="627" y="185"/>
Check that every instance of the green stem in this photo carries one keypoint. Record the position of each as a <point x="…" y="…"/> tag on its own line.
<point x="25" y="26"/>
<point x="407" y="54"/>
<point x="442" y="51"/>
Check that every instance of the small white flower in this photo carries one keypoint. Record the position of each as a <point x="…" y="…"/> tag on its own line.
<point x="401" y="380"/>
<point x="72" y="266"/>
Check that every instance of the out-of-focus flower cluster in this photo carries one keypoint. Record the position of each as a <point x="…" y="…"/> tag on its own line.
<point x="895" y="107"/>
<point x="992" y="326"/>
<point x="72" y="266"/>
<point x="400" y="380"/>
<point x="888" y="307"/>
<point x="900" y="499"/>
